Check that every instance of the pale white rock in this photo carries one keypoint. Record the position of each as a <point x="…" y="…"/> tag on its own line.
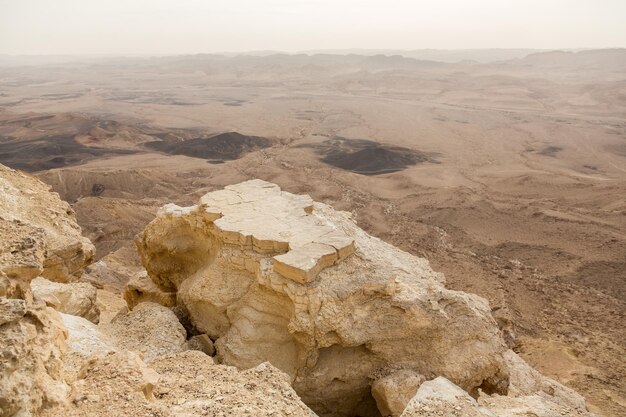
<point x="440" y="397"/>
<point x="253" y="267"/>
<point x="76" y="298"/>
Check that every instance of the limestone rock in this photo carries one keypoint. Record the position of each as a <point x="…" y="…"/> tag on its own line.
<point x="202" y="343"/>
<point x="140" y="288"/>
<point x="276" y="277"/>
<point x="179" y="385"/>
<point x="85" y="343"/>
<point x="526" y="381"/>
<point x="42" y="228"/>
<point x="442" y="397"/>
<point x="77" y="298"/>
<point x="31" y="351"/>
<point x="150" y="329"/>
<point x="393" y="392"/>
<point x="191" y="385"/>
<point x="39" y="236"/>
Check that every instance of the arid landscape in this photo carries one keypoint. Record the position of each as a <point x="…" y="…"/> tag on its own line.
<point x="507" y="172"/>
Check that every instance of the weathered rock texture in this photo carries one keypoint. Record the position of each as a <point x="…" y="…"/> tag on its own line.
<point x="440" y="397"/>
<point x="47" y="226"/>
<point x="31" y="335"/>
<point x="140" y="288"/>
<point x="76" y="298"/>
<point x="150" y="330"/>
<point x="179" y="385"/>
<point x="55" y="364"/>
<point x="276" y="277"/>
<point x="393" y="392"/>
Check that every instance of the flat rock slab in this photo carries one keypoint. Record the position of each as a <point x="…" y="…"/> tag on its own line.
<point x="257" y="215"/>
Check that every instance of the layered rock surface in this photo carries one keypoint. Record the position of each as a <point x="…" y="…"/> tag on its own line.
<point x="273" y="276"/>
<point x="76" y="298"/>
<point x="46" y="226"/>
<point x="293" y="294"/>
<point x="57" y="364"/>
<point x="31" y="335"/>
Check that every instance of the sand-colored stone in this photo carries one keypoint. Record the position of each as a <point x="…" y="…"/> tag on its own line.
<point x="76" y="298"/>
<point x="393" y="392"/>
<point x="179" y="385"/>
<point x="440" y="397"/>
<point x="39" y="236"/>
<point x="150" y="330"/>
<point x="85" y="342"/>
<point x="140" y="288"/>
<point x="44" y="222"/>
<point x="251" y="266"/>
<point x="202" y="343"/>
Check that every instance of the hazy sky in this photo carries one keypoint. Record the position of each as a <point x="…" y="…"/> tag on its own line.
<point x="192" y="26"/>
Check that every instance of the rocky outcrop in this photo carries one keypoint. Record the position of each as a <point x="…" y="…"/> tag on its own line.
<point x="440" y="397"/>
<point x="179" y="385"/>
<point x="31" y="334"/>
<point x="140" y="288"/>
<point x="276" y="277"/>
<point x="85" y="342"/>
<point x="393" y="392"/>
<point x="77" y="298"/>
<point x="47" y="224"/>
<point x="150" y="330"/>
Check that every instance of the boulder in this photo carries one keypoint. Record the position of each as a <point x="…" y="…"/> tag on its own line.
<point x="202" y="343"/>
<point x="178" y="385"/>
<point x="393" y="392"/>
<point x="49" y="237"/>
<point x="440" y="397"/>
<point x="526" y="381"/>
<point x="39" y="237"/>
<point x="276" y="277"/>
<point x="85" y="343"/>
<point x="140" y="288"/>
<point x="76" y="298"/>
<point x="150" y="330"/>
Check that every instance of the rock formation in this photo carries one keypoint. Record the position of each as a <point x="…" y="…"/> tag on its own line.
<point x="291" y="292"/>
<point x="179" y="385"/>
<point x="76" y="298"/>
<point x="27" y="202"/>
<point x="273" y="276"/>
<point x="440" y="397"/>
<point x="63" y="364"/>
<point x="31" y="335"/>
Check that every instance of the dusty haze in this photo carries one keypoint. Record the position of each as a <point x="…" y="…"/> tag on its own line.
<point x="196" y="26"/>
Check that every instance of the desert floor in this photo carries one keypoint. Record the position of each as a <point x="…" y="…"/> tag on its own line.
<point x="510" y="178"/>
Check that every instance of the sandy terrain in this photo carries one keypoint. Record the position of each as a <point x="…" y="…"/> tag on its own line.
<point x="510" y="176"/>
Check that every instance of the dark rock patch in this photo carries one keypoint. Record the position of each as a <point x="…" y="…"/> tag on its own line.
<point x="551" y="151"/>
<point x="97" y="189"/>
<point x="50" y="152"/>
<point x="216" y="149"/>
<point x="368" y="157"/>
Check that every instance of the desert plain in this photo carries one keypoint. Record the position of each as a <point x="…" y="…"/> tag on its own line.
<point x="509" y="175"/>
